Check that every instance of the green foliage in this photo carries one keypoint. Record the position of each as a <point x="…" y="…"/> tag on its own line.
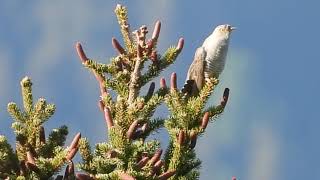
<point x="34" y="157"/>
<point x="155" y="68"/>
<point x="130" y="117"/>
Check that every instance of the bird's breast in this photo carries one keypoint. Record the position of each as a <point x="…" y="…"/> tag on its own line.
<point x="216" y="57"/>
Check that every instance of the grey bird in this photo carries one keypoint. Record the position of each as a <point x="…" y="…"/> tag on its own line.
<point x="209" y="60"/>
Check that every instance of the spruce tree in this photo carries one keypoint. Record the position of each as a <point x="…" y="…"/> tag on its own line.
<point x="35" y="156"/>
<point x="129" y="115"/>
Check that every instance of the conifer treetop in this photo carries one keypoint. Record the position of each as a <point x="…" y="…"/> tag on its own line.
<point x="35" y="156"/>
<point x="130" y="117"/>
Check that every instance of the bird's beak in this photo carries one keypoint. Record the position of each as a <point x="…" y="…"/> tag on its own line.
<point x="233" y="28"/>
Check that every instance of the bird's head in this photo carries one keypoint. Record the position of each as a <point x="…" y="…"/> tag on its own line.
<point x="224" y="30"/>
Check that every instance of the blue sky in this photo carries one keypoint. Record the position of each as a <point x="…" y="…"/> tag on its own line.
<point x="269" y="129"/>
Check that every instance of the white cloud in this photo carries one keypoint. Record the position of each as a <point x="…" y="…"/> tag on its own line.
<point x="221" y="134"/>
<point x="242" y="123"/>
<point x="233" y="129"/>
<point x="264" y="154"/>
<point x="61" y="24"/>
<point x="64" y="22"/>
<point x="236" y="76"/>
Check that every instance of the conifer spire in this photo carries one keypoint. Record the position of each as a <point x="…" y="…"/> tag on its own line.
<point x="130" y="116"/>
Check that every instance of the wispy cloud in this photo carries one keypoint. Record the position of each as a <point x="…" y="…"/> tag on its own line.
<point x="52" y="52"/>
<point x="52" y="60"/>
<point x="244" y="130"/>
<point x="220" y="135"/>
<point x="264" y="154"/>
<point x="61" y="25"/>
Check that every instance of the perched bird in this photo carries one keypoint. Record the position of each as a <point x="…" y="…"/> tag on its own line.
<point x="209" y="59"/>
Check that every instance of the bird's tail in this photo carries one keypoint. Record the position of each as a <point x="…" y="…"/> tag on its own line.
<point x="189" y="88"/>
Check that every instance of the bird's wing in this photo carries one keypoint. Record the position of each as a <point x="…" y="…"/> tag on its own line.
<point x="197" y="67"/>
<point x="195" y="76"/>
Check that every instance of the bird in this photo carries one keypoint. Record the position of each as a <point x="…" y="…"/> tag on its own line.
<point x="209" y="59"/>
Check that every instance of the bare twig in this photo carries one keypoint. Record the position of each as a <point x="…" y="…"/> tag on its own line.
<point x="180" y="45"/>
<point x="101" y="105"/>
<point x="135" y="76"/>
<point x="205" y="120"/>
<point x="30" y="158"/>
<point x="124" y="176"/>
<point x="73" y="148"/>
<point x="163" y="83"/>
<point x="154" y="57"/>
<point x="156" y="31"/>
<point x="83" y="57"/>
<point x="156" y="167"/>
<point x="23" y="168"/>
<point x="72" y="153"/>
<point x="143" y="162"/>
<point x="151" y="90"/>
<point x="153" y="41"/>
<point x="42" y="135"/>
<point x="132" y="129"/>
<point x="81" y="53"/>
<point x="75" y="142"/>
<point x="193" y="139"/>
<point x="69" y="170"/>
<point x="225" y="97"/>
<point x="112" y="154"/>
<point x="156" y="157"/>
<point x="167" y="175"/>
<point x="141" y="36"/>
<point x="101" y="81"/>
<point x="32" y="167"/>
<point x="173" y="82"/>
<point x="83" y="177"/>
<point x="117" y="46"/>
<point x="107" y="117"/>
<point x="181" y="137"/>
